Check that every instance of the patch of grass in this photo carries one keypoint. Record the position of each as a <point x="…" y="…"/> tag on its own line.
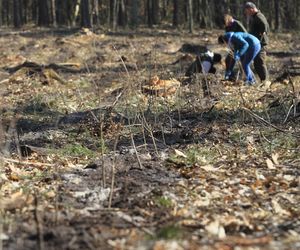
<point x="201" y="155"/>
<point x="238" y="136"/>
<point x="36" y="105"/>
<point x="170" y="232"/>
<point x="132" y="104"/>
<point x="285" y="143"/>
<point x="196" y="155"/>
<point x="163" y="201"/>
<point x="76" y="150"/>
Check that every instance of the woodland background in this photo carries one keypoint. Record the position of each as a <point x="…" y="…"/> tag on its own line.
<point x="132" y="13"/>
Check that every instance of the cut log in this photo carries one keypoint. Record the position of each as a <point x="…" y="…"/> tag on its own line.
<point x="160" y="87"/>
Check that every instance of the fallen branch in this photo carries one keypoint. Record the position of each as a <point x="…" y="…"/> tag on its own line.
<point x="69" y="67"/>
<point x="38" y="164"/>
<point x="268" y="123"/>
<point x="4" y="81"/>
<point x="130" y="220"/>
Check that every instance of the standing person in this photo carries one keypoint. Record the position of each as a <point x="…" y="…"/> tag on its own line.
<point x="259" y="27"/>
<point x="245" y="47"/>
<point x="231" y="25"/>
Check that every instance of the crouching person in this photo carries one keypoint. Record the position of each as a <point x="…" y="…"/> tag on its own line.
<point x="245" y="48"/>
<point x="204" y="63"/>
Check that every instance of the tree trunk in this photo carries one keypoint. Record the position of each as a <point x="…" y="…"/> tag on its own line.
<point x="85" y="13"/>
<point x="277" y="15"/>
<point x="17" y="14"/>
<point x="43" y="13"/>
<point x="115" y="11"/>
<point x="1" y="13"/>
<point x="122" y="15"/>
<point x="149" y="13"/>
<point x="25" y="11"/>
<point x="96" y="12"/>
<point x="190" y="16"/>
<point x="175" y="13"/>
<point x="34" y="11"/>
<point x="76" y="13"/>
<point x="134" y="13"/>
<point x="53" y="8"/>
<point x="164" y="9"/>
<point x="155" y="11"/>
<point x="208" y="18"/>
<point x="6" y="4"/>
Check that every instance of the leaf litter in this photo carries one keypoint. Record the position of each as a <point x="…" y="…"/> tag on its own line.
<point x="108" y="167"/>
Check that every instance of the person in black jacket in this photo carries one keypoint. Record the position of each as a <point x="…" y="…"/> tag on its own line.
<point x="231" y="25"/>
<point x="204" y="64"/>
<point x="259" y="27"/>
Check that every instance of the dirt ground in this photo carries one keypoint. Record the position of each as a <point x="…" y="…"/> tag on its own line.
<point x="89" y="161"/>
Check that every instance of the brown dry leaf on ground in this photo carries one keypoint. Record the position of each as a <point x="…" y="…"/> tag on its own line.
<point x="17" y="200"/>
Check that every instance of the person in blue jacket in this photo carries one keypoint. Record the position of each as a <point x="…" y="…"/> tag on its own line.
<point x="245" y="48"/>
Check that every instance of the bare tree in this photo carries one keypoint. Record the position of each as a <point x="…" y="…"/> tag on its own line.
<point x="96" y="13"/>
<point x="134" y="10"/>
<point x="85" y="11"/>
<point x="53" y="10"/>
<point x="122" y="15"/>
<point x="175" y="13"/>
<point x="115" y="10"/>
<point x="190" y="16"/>
<point x="43" y="13"/>
<point x="17" y="14"/>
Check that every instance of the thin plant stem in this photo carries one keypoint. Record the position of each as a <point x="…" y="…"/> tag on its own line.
<point x="113" y="170"/>
<point x="38" y="221"/>
<point x="102" y="154"/>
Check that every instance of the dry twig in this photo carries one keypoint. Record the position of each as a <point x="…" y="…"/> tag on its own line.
<point x="268" y="123"/>
<point x="39" y="225"/>
<point x="113" y="170"/>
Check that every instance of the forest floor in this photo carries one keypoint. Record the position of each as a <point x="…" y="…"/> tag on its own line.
<point x="89" y="161"/>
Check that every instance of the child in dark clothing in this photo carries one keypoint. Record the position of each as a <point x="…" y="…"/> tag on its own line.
<point x="204" y="63"/>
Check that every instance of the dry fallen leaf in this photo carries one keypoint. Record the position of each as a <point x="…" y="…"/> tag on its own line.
<point x="215" y="228"/>
<point x="275" y="158"/>
<point x="3" y="236"/>
<point x="179" y="153"/>
<point x="17" y="200"/>
<point x="278" y="209"/>
<point x="270" y="164"/>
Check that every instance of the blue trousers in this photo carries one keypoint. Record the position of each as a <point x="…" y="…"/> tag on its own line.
<point x="247" y="59"/>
